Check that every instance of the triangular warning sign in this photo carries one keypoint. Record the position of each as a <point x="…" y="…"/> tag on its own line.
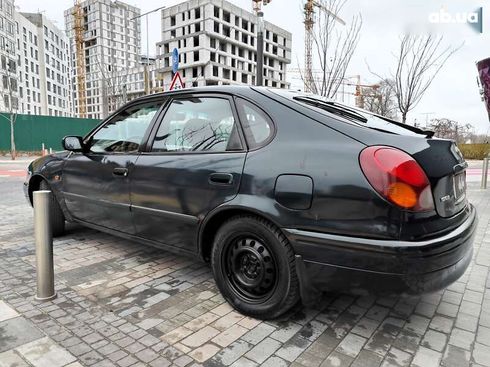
<point x="177" y="82"/>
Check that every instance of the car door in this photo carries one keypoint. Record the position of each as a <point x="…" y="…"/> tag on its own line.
<point x="96" y="182"/>
<point x="193" y="163"/>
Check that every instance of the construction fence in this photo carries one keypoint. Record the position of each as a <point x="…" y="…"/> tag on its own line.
<point x="31" y="131"/>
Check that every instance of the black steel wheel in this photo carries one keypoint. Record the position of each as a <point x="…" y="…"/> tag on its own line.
<point x="250" y="268"/>
<point x="253" y="264"/>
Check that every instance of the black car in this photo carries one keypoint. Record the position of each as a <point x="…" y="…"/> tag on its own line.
<point x="285" y="194"/>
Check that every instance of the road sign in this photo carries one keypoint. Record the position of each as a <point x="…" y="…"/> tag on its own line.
<point x="175" y="60"/>
<point x="177" y="82"/>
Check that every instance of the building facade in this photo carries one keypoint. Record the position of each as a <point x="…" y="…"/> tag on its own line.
<point x="9" y="83"/>
<point x="43" y="61"/>
<point x="111" y="44"/>
<point x="34" y="64"/>
<point x="129" y="84"/>
<point x="217" y="44"/>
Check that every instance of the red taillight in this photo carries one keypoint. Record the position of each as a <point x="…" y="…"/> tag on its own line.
<point x="397" y="177"/>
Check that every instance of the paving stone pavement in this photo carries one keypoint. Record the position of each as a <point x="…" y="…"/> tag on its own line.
<point x="123" y="304"/>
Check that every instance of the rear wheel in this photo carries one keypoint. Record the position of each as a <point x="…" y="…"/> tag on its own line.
<point x="253" y="264"/>
<point x="57" y="217"/>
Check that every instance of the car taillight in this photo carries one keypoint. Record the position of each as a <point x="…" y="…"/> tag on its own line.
<point x="397" y="177"/>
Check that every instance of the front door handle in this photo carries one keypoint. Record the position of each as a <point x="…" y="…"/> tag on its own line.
<point x="221" y="178"/>
<point x="120" y="171"/>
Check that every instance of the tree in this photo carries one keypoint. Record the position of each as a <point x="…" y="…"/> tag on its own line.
<point x="381" y="99"/>
<point x="11" y="103"/>
<point x="450" y="129"/>
<point x="334" y="47"/>
<point x="419" y="60"/>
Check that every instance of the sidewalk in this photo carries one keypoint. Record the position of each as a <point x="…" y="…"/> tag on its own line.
<point x="124" y="304"/>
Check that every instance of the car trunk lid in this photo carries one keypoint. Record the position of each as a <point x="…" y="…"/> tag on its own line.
<point x="441" y="159"/>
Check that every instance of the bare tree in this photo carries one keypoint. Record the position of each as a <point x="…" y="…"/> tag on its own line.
<point x="11" y="103"/>
<point x="381" y="99"/>
<point x="450" y="129"/>
<point x="419" y="60"/>
<point x="334" y="46"/>
<point x="114" y="85"/>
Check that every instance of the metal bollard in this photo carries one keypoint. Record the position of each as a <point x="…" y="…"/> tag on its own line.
<point x="44" y="246"/>
<point x="484" y="173"/>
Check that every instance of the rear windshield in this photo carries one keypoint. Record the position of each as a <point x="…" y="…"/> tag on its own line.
<point x="354" y="115"/>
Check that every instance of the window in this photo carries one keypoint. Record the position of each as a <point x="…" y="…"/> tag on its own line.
<point x="198" y="124"/>
<point x="124" y="132"/>
<point x="257" y="125"/>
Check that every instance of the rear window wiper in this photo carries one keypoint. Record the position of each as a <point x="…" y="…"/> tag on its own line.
<point x="332" y="108"/>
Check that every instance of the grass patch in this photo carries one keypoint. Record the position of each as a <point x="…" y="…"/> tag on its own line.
<point x="474" y="151"/>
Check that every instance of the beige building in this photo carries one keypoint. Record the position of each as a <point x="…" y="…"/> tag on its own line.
<point x="111" y="44"/>
<point x="217" y="45"/>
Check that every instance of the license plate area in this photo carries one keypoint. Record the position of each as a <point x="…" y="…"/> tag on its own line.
<point x="459" y="187"/>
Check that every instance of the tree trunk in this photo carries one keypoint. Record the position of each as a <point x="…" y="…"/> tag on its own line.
<point x="12" y="138"/>
<point x="404" y="117"/>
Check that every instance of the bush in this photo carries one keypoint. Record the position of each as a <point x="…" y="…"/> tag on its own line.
<point x="474" y="151"/>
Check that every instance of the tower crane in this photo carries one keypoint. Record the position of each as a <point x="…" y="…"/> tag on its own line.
<point x="78" y="29"/>
<point x="309" y="22"/>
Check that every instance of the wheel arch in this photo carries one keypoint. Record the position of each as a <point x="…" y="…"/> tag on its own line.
<point x="215" y="219"/>
<point x="34" y="183"/>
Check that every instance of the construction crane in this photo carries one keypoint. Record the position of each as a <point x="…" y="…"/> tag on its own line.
<point x="80" y="58"/>
<point x="310" y="6"/>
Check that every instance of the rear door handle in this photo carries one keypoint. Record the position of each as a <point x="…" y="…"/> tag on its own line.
<point x="120" y="171"/>
<point x="221" y="178"/>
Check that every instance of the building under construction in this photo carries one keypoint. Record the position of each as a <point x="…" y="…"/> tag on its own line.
<point x="104" y="40"/>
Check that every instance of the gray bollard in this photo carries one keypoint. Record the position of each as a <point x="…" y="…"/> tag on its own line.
<point x="484" y="174"/>
<point x="44" y="246"/>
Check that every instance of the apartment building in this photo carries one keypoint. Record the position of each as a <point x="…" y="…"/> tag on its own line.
<point x="111" y="44"/>
<point x="217" y="45"/>
<point x="43" y="62"/>
<point x="129" y="84"/>
<point x="9" y="84"/>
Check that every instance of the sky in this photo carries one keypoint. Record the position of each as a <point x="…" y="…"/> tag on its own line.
<point x="453" y="94"/>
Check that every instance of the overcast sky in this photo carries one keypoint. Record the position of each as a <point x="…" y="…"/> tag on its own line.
<point x="453" y="94"/>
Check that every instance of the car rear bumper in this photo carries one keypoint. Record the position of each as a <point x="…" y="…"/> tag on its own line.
<point x="360" y="265"/>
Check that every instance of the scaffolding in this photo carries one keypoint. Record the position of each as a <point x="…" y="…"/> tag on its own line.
<point x="78" y="29"/>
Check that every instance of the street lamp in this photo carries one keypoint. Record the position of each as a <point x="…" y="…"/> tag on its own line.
<point x="257" y="6"/>
<point x="147" y="38"/>
<point x="147" y="89"/>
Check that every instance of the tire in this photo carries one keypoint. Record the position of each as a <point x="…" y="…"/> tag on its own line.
<point x="254" y="268"/>
<point x="57" y="217"/>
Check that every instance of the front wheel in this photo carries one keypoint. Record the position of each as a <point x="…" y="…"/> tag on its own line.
<point x="253" y="265"/>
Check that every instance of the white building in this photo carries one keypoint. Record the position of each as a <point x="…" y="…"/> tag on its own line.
<point x="126" y="85"/>
<point x="9" y="84"/>
<point x="43" y="62"/>
<point x="217" y="45"/>
<point x="111" y="44"/>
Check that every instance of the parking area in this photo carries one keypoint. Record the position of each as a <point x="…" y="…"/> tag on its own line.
<point x="123" y="304"/>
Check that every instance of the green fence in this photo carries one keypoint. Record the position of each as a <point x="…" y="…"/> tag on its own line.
<point x="32" y="131"/>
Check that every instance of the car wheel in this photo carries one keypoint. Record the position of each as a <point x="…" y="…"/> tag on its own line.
<point x="253" y="265"/>
<point x="57" y="217"/>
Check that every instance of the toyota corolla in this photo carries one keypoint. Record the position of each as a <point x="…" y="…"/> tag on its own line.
<point x="285" y="194"/>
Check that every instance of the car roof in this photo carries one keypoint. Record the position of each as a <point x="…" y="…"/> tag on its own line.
<point x="228" y="89"/>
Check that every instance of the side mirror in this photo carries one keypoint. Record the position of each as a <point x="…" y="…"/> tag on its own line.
<point x="73" y="143"/>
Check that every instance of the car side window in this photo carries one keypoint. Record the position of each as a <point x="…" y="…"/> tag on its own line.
<point x="198" y="124"/>
<point x="124" y="132"/>
<point x="257" y="126"/>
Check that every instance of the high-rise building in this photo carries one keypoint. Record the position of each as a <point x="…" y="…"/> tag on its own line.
<point x="111" y="43"/>
<point x="9" y="84"/>
<point x="217" y="44"/>
<point x="43" y="62"/>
